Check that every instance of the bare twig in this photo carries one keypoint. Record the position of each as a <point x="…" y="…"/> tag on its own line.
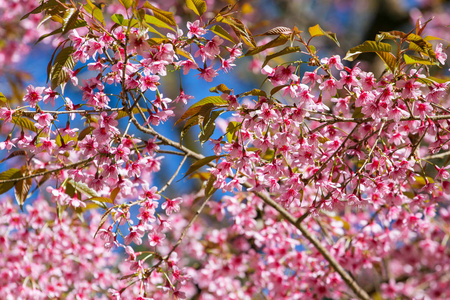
<point x="173" y="176"/>
<point x="70" y="166"/>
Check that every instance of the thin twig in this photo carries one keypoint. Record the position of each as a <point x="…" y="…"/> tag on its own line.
<point x="70" y="166"/>
<point x="173" y="176"/>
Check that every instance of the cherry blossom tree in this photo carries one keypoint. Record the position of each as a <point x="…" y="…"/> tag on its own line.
<point x="327" y="181"/>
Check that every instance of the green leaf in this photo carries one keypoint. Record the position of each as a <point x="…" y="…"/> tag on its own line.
<point x="389" y="59"/>
<point x="213" y="101"/>
<point x="197" y="6"/>
<point x="114" y="193"/>
<point x="126" y="3"/>
<point x="165" y="16"/>
<point x="42" y="7"/>
<point x="69" y="189"/>
<point x="409" y="60"/>
<point x="277" y="89"/>
<point x="192" y="121"/>
<point x="318" y="31"/>
<point x="255" y="92"/>
<point x="56" y="31"/>
<point x="70" y="17"/>
<point x="209" y="127"/>
<point x="277" y="31"/>
<point x="239" y="29"/>
<point x="66" y="139"/>
<point x="117" y="18"/>
<point x="21" y="190"/>
<point x="12" y="173"/>
<point x="122" y="114"/>
<point x="431" y="38"/>
<point x="285" y="51"/>
<point x="83" y="188"/>
<point x="85" y="132"/>
<point x="64" y="59"/>
<point x="220" y="88"/>
<point x="209" y="190"/>
<point x="231" y="129"/>
<point x="217" y="29"/>
<point x="367" y="46"/>
<point x="94" y="11"/>
<point x="3" y="98"/>
<point x="157" y="22"/>
<point x="200" y="163"/>
<point x="24" y="123"/>
<point x="439" y="80"/>
<point x="358" y="113"/>
<point x="278" y="41"/>
<point x="100" y="199"/>
<point x="103" y="220"/>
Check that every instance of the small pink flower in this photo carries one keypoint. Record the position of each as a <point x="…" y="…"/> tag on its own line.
<point x="172" y="205"/>
<point x="136" y="234"/>
<point x="6" y="114"/>
<point x="208" y="74"/>
<point x="334" y="61"/>
<point x="33" y="95"/>
<point x="441" y="56"/>
<point x="195" y="29"/>
<point x="155" y="238"/>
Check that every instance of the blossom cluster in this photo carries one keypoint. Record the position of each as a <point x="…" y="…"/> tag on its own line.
<point x="329" y="172"/>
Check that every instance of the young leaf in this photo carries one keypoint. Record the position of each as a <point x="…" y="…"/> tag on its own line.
<point x="197" y="6"/>
<point x="70" y="17"/>
<point x="200" y="163"/>
<point x="239" y="29"/>
<point x="277" y="89"/>
<point x="165" y="16"/>
<point x="21" y="190"/>
<point x="63" y="59"/>
<point x="114" y="193"/>
<point x="56" y="31"/>
<point x="157" y="22"/>
<point x="409" y="60"/>
<point x="231" y="129"/>
<point x="278" y="41"/>
<point x="192" y="121"/>
<point x="217" y="29"/>
<point x="83" y="188"/>
<point x="117" y="18"/>
<point x="318" y="31"/>
<point x="24" y="123"/>
<point x="277" y="30"/>
<point x="213" y="101"/>
<point x="12" y="173"/>
<point x="42" y="7"/>
<point x="126" y="3"/>
<point x="103" y="220"/>
<point x="3" y="98"/>
<point x="85" y="132"/>
<point x="209" y="190"/>
<point x="220" y="88"/>
<point x="94" y="11"/>
<point x="255" y="92"/>
<point x="285" y="51"/>
<point x="100" y="199"/>
<point x="389" y="59"/>
<point x="208" y="128"/>
<point x="367" y="46"/>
